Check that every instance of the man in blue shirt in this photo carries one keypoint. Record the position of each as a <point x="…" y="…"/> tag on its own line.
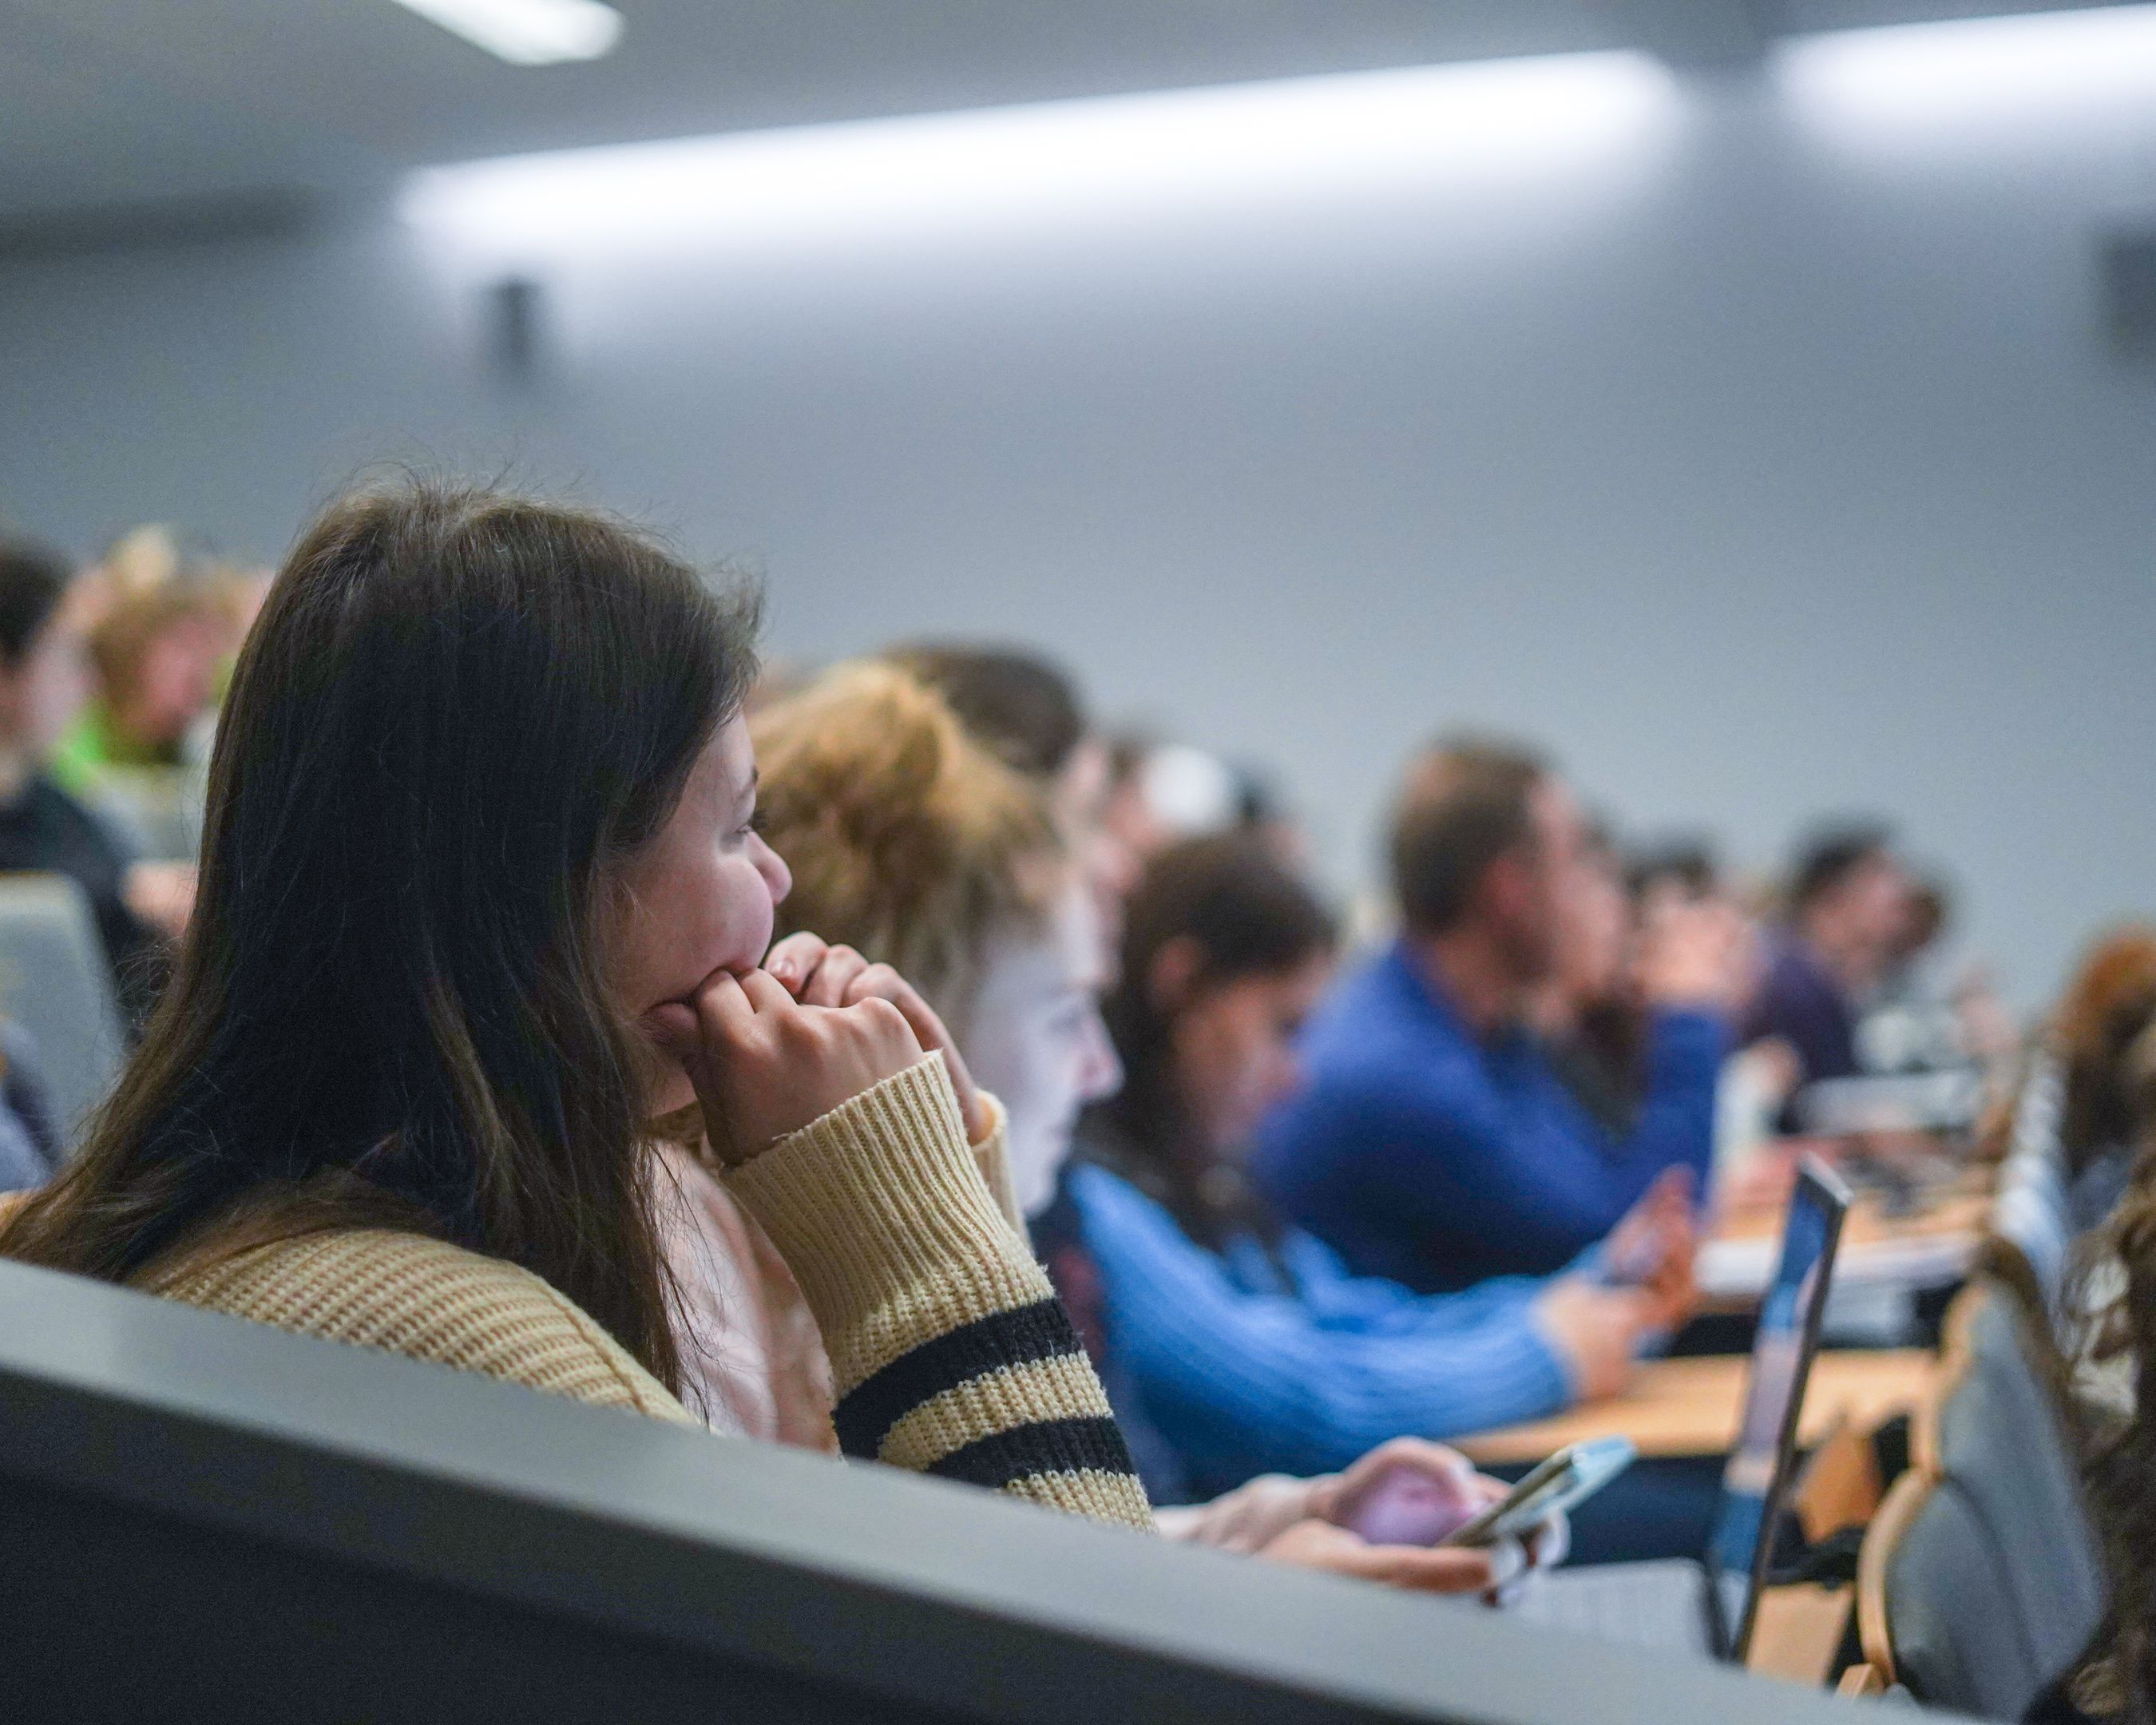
<point x="1431" y="1142"/>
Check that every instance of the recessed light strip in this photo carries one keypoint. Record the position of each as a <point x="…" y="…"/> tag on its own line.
<point x="527" y="33"/>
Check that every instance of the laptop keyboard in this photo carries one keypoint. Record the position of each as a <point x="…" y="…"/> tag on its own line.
<point x="1659" y="1605"/>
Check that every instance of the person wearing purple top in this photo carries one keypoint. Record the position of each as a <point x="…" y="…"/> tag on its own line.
<point x="1432" y="1143"/>
<point x="1849" y="899"/>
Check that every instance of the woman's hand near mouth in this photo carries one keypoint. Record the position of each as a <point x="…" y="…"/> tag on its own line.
<point x="817" y="973"/>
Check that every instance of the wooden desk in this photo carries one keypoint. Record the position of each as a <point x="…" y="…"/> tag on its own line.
<point x="1868" y="1223"/>
<point x="1691" y="1407"/>
<point x="1798" y="1631"/>
<point x="1931" y="1249"/>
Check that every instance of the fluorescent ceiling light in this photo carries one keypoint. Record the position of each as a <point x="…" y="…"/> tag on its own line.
<point x="1984" y="73"/>
<point x="1561" y="125"/>
<point x="527" y="33"/>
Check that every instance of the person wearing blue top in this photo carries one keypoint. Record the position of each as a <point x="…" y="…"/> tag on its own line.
<point x="1433" y="1143"/>
<point x="1250" y="1345"/>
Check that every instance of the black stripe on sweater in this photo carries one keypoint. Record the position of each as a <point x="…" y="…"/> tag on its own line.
<point x="865" y="1416"/>
<point x="1045" y="1446"/>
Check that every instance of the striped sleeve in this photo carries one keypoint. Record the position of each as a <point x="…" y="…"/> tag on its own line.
<point x="1245" y="1383"/>
<point x="950" y="1354"/>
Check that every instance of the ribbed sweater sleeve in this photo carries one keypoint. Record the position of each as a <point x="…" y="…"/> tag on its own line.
<point x="950" y="1352"/>
<point x="1245" y="1383"/>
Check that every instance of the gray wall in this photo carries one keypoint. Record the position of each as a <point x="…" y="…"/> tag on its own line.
<point x="1763" y="453"/>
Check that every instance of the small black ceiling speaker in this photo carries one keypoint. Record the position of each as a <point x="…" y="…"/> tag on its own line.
<point x="2128" y="265"/>
<point x="514" y="335"/>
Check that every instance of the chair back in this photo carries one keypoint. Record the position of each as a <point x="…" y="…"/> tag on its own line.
<point x="1936" y="1611"/>
<point x="1996" y="1431"/>
<point x="56" y="982"/>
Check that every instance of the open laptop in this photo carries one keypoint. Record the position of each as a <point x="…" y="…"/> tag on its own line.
<point x="1709" y="1606"/>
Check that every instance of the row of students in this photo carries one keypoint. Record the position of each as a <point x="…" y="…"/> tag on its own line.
<point x="1434" y="1143"/>
<point x="479" y="1047"/>
<point x="44" y="826"/>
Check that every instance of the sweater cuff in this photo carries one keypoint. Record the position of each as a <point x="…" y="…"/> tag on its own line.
<point x="992" y="1156"/>
<point x="880" y="1210"/>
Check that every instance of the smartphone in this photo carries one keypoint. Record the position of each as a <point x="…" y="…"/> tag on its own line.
<point x="1564" y="1480"/>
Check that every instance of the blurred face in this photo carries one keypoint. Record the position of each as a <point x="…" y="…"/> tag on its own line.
<point x="41" y="696"/>
<point x="1233" y="1044"/>
<point x="1595" y="931"/>
<point x="174" y="683"/>
<point x="698" y="897"/>
<point x="1530" y="887"/>
<point x="1868" y="915"/>
<point x="1080" y="796"/>
<point x="1034" y="1039"/>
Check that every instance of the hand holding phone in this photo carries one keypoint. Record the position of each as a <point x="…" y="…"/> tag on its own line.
<point x="1561" y="1483"/>
<point x="1407" y="1491"/>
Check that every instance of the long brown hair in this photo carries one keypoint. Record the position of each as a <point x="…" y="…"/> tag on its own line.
<point x="456" y="710"/>
<point x="2109" y="1316"/>
<point x="1248" y="916"/>
<point x="2111" y="999"/>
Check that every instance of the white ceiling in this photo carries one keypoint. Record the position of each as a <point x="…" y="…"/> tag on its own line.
<point x="107" y="103"/>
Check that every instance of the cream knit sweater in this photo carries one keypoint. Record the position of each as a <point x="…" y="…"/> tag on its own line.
<point x="949" y="1353"/>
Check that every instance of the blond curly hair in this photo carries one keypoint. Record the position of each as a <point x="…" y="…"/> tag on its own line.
<point x="907" y="838"/>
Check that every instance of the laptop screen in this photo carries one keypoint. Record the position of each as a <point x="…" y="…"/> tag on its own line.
<point x="1757" y="1478"/>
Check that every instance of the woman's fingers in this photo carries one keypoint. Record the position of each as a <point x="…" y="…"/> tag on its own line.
<point x="794" y="959"/>
<point x="834" y="977"/>
<point x="1438" y="1569"/>
<point x="720" y="1003"/>
<point x="764" y="992"/>
<point x="879" y="982"/>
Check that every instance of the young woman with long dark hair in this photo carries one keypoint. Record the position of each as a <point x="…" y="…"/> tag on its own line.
<point x="1252" y="1346"/>
<point x="481" y="898"/>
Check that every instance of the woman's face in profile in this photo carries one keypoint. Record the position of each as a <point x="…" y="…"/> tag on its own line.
<point x="1233" y="1048"/>
<point x="1033" y="1037"/>
<point x="699" y="895"/>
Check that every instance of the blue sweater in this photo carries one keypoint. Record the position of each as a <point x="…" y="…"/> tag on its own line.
<point x="1248" y="1362"/>
<point x="1421" y="1154"/>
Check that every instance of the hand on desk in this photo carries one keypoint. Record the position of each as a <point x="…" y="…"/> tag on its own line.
<point x="1644" y="1291"/>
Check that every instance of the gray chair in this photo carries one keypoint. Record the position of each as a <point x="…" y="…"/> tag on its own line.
<point x="157" y="812"/>
<point x="1935" y="1606"/>
<point x="2001" y="1438"/>
<point x="2030" y="1215"/>
<point x="54" y="982"/>
<point x="2040" y="1110"/>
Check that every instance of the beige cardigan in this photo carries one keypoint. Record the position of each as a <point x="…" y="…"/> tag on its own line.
<point x="945" y="1346"/>
<point x="753" y="1363"/>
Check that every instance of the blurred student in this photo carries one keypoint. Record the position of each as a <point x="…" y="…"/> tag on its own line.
<point x="916" y="846"/>
<point x="1680" y="871"/>
<point x="2108" y="1003"/>
<point x="1433" y="1144"/>
<point x="482" y="897"/>
<point x="1253" y="1347"/>
<point x="1593" y="1025"/>
<point x="43" y="828"/>
<point x="2116" y="1288"/>
<point x="1029" y="711"/>
<point x="158" y="652"/>
<point x="1847" y="912"/>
